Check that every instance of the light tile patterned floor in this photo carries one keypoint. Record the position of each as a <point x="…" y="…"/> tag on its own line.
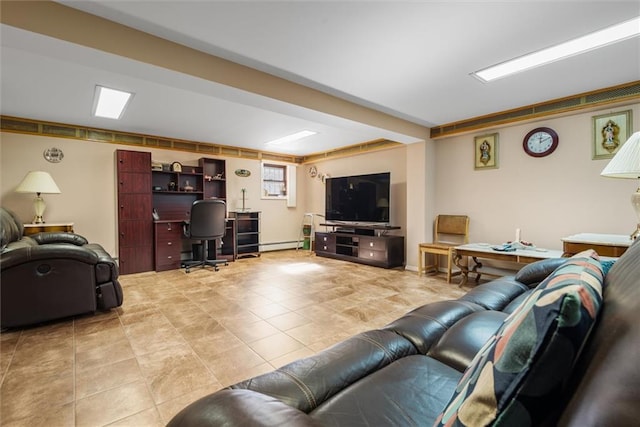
<point x="180" y="336"/>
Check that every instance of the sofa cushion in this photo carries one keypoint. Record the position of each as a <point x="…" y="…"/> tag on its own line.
<point x="606" y="381"/>
<point x="306" y="383"/>
<point x="11" y="228"/>
<point x="425" y="325"/>
<point x="409" y="392"/>
<point x="534" y="273"/>
<point x="495" y="295"/>
<point x="459" y="345"/>
<point x="521" y="371"/>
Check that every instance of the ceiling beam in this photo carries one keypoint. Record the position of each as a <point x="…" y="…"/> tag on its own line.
<point x="75" y="26"/>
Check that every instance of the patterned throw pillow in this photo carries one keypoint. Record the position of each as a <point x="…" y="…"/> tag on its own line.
<point x="520" y="371"/>
<point x="606" y="265"/>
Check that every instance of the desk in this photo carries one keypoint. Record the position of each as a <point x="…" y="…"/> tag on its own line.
<point x="169" y="240"/>
<point x="611" y="245"/>
<point x="476" y="250"/>
<point x="30" y="229"/>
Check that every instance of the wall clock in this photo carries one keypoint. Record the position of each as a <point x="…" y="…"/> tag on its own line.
<point x="540" y="142"/>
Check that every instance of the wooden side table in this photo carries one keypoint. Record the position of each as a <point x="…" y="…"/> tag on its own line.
<point x="477" y="250"/>
<point x="30" y="229"/>
<point x="611" y="245"/>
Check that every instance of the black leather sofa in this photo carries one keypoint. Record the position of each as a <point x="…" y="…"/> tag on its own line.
<point x="408" y="372"/>
<point x="52" y="275"/>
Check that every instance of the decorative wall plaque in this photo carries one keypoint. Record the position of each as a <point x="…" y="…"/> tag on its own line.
<point x="53" y="155"/>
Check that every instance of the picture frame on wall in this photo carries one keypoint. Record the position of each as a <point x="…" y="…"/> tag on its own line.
<point x="486" y="151"/>
<point x="610" y="131"/>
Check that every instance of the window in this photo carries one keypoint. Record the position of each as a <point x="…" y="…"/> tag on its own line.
<point x="274" y="180"/>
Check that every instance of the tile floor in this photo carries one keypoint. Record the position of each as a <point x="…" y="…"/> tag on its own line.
<point x="178" y="337"/>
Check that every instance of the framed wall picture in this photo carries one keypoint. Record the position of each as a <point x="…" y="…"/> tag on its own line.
<point x="610" y="131"/>
<point x="486" y="151"/>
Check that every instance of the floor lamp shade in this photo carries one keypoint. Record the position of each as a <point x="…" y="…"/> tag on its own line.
<point x="626" y="164"/>
<point x="38" y="182"/>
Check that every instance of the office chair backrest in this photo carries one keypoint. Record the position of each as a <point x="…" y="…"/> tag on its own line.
<point x="208" y="219"/>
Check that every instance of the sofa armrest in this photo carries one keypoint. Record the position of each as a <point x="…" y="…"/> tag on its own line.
<point x="244" y="408"/>
<point x="46" y="252"/>
<point x="536" y="272"/>
<point x="106" y="268"/>
<point x="51" y="237"/>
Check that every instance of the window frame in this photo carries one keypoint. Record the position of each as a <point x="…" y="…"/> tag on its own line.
<point x="280" y="166"/>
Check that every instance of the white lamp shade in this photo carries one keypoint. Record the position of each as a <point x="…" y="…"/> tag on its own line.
<point x="626" y="162"/>
<point x="38" y="182"/>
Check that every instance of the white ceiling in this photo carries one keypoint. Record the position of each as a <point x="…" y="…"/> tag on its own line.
<point x="410" y="60"/>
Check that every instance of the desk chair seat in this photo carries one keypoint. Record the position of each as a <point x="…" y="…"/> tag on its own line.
<point x="207" y="222"/>
<point x="449" y="231"/>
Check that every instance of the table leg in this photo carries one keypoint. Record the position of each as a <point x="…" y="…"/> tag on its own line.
<point x="477" y="265"/>
<point x="464" y="269"/>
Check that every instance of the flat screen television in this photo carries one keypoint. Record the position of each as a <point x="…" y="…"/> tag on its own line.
<point x="358" y="198"/>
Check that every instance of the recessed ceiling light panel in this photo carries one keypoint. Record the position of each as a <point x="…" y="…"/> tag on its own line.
<point x="110" y="103"/>
<point x="293" y="137"/>
<point x="607" y="36"/>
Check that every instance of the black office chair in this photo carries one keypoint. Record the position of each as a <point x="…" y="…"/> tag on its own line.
<point x="208" y="222"/>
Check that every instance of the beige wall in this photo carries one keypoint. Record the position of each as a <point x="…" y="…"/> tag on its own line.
<point x="86" y="177"/>
<point x="391" y="160"/>
<point x="547" y="198"/>
<point x="421" y="186"/>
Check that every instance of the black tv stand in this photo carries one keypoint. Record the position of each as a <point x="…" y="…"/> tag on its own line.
<point x="366" y="244"/>
<point x="360" y="229"/>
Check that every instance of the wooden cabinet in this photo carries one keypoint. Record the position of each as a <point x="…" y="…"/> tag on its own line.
<point x="609" y="245"/>
<point x="247" y="233"/>
<point x="173" y="195"/>
<point x="145" y="244"/>
<point x="325" y="242"/>
<point x="168" y="244"/>
<point x="381" y="251"/>
<point x="385" y="251"/>
<point x="214" y="184"/>
<point x="135" y="224"/>
<point x="175" y="192"/>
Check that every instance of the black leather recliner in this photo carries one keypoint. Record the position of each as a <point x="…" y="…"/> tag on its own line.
<point x="52" y="275"/>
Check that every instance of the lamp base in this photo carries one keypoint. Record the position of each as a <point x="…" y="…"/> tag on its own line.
<point x="635" y="202"/>
<point x="38" y="206"/>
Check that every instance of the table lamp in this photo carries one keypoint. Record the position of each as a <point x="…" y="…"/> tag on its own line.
<point x="626" y="164"/>
<point x="38" y="182"/>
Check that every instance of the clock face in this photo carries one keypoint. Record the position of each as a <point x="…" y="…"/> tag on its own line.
<point x="540" y="142"/>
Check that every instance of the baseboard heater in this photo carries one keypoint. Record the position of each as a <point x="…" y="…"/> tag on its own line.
<point x="275" y="246"/>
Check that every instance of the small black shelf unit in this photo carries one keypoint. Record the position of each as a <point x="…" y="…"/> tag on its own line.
<point x="365" y="244"/>
<point x="247" y="233"/>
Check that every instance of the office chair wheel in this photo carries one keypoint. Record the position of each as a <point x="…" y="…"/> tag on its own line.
<point x="187" y="270"/>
